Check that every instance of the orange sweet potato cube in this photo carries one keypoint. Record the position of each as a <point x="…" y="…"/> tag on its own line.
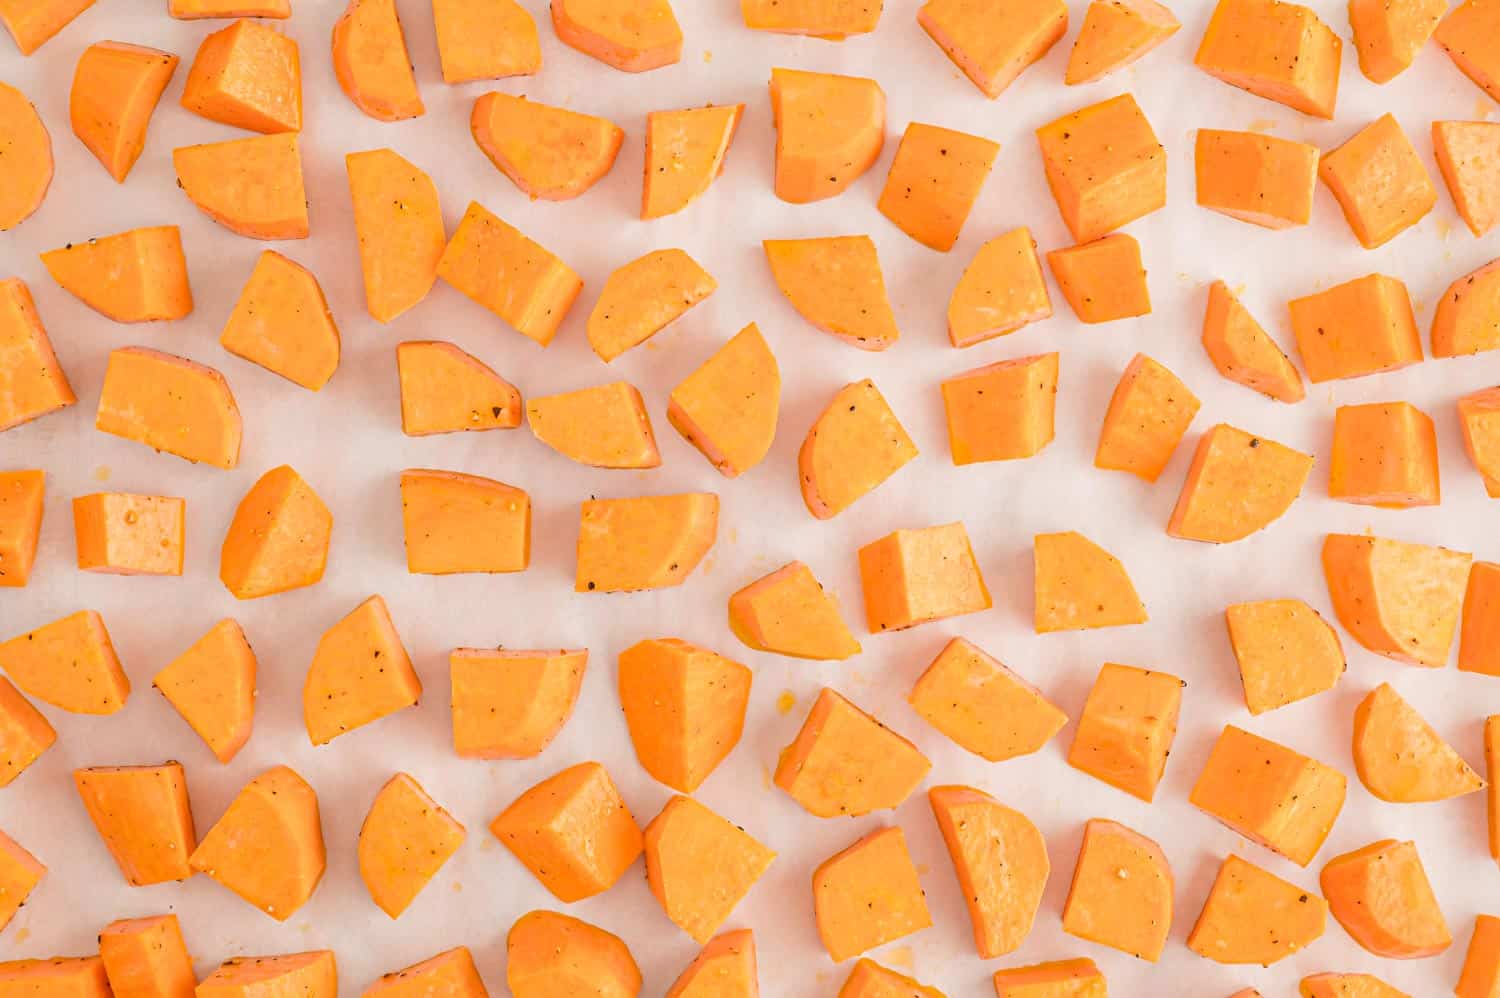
<point x="1360" y="886"/>
<point x="983" y="706"/>
<point x="1479" y="638"/>
<point x="1384" y="454"/>
<point x="1479" y="414"/>
<point x="1252" y="916"/>
<point x="725" y="966"/>
<point x="547" y="953"/>
<point x="1256" y="178"/>
<point x="1364" y="326"/>
<point x="1105" y="167"/>
<point x="20" y="872"/>
<point x="278" y="539"/>
<point x="1397" y="599"/>
<point x="1103" y="280"/>
<point x="1121" y="895"/>
<point x="1244" y="352"/>
<point x="1126" y="729"/>
<point x="1078" y="978"/>
<point x="511" y="704"/>
<point x="69" y="663"/>
<point x="1285" y="650"/>
<point x="1079" y="586"/>
<point x="126" y="534"/>
<point x="248" y="75"/>
<point x="32" y="382"/>
<point x="1389" y="35"/>
<point x="451" y="972"/>
<point x="24" y="734"/>
<point x="72" y="976"/>
<point x="309" y="975"/>
<point x="1148" y="415"/>
<point x="1115" y="34"/>
<point x="1379" y="181"/>
<point x="143" y="815"/>
<point x="685" y="708"/>
<point x="1002" y="411"/>
<point x="212" y="685"/>
<point x="845" y="763"/>
<point x="1467" y="320"/>
<point x="405" y="839"/>
<point x="934" y="181"/>
<point x="788" y="612"/>
<point x="700" y="865"/>
<point x="360" y="673"/>
<point x="993" y="41"/>
<point x="868" y="895"/>
<point x="1481" y="974"/>
<point x="22" y="498"/>
<point x="147" y="957"/>
<point x="1276" y="50"/>
<point x="911" y="577"/>
<point x="1000" y="291"/>
<point x="1237" y="484"/>
<point x="1468" y="154"/>
<point x="1470" y="34"/>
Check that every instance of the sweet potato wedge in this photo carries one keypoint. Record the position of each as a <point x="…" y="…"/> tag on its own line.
<point x="685" y="708"/>
<point x="1126" y="730"/>
<point x="868" y="895"/>
<point x="24" y="736"/>
<point x="247" y="75"/>
<point x="829" y="131"/>
<point x="22" y="500"/>
<point x="1057" y="979"/>
<point x="1381" y="896"/>
<point x="1468" y="154"/>
<point x="1468" y="35"/>
<point x="1256" y="178"/>
<point x="934" y="181"/>
<point x="511" y="704"/>
<point x="1104" y="165"/>
<point x="1285" y="650"/>
<point x="914" y="576"/>
<point x="143" y="815"/>
<point x="212" y="685"/>
<point x="1364" y="326"/>
<point x="853" y="447"/>
<point x="1149" y="412"/>
<point x="994" y="42"/>
<point x="634" y="36"/>
<point x="1244" y="352"/>
<point x="147" y="956"/>
<point x="605" y="426"/>
<point x="982" y="705"/>
<point x="1467" y="320"/>
<point x="1103" y="280"/>
<point x="1399" y="600"/>
<point x="548" y="152"/>
<point x="282" y="322"/>
<point x="725" y="968"/>
<point x="1479" y="416"/>
<point x="372" y="63"/>
<point x="729" y="406"/>
<point x="1389" y="36"/>
<point x="135" y="276"/>
<point x="643" y="297"/>
<point x="651" y="542"/>
<point x="278" y="539"/>
<point x="700" y="865"/>
<point x="123" y="534"/>
<point x="685" y="153"/>
<point x="116" y="87"/>
<point x="1237" y="484"/>
<point x="20" y="872"/>
<point x="1253" y="916"/>
<point x="69" y="663"/>
<point x="79" y="976"/>
<point x="1379" y="181"/>
<point x="788" y="612"/>
<point x="1384" y="454"/>
<point x="250" y="186"/>
<point x="1000" y="291"/>
<point x="546" y="953"/>
<point x="1129" y="911"/>
<point x="451" y="972"/>
<point x="485" y="40"/>
<point x="1479" y="638"/>
<point x="836" y="285"/>
<point x="1296" y="63"/>
<point x="1400" y="758"/>
<point x="312" y="975"/>
<point x="1002" y="411"/>
<point x="845" y="763"/>
<point x="32" y="382"/>
<point x="832" y="21"/>
<point x="869" y="979"/>
<point x="1001" y="862"/>
<point x="32" y="23"/>
<point x="404" y="841"/>
<point x="456" y="523"/>
<point x="360" y="673"/>
<point x="1079" y="586"/>
<point x="1114" y="35"/>
<point x="400" y="227"/>
<point x="446" y="390"/>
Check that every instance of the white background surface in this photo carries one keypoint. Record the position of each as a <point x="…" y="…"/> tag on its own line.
<point x="347" y="442"/>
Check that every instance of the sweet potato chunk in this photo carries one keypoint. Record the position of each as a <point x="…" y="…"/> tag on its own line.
<point x="788" y="612"/>
<point x="725" y="968"/>
<point x="1468" y="34"/>
<point x="1242" y="350"/>
<point x="372" y="63"/>
<point x="247" y="75"/>
<point x="71" y="976"/>
<point x="868" y="895"/>
<point x="1481" y="974"/>
<point x="20" y="872"/>
<point x="170" y="404"/>
<point x="1293" y="58"/>
<point x="934" y="181"/>
<point x="125" y="534"/>
<point x="310" y="975"/>
<point x="1467" y="320"/>
<point x="1400" y="758"/>
<point x="1492" y="767"/>
<point x="1121" y="895"/>
<point x="548" y="152"/>
<point x="915" y="576"/>
<point x="26" y="171"/>
<point x="993" y="42"/>
<point x="844" y="762"/>
<point x="1388" y="36"/>
<point x="400" y="228"/>
<point x="728" y="407"/>
<point x="1399" y="600"/>
<point x="1379" y="181"/>
<point x="1001" y="862"/>
<point x="1364" y="326"/>
<point x="635" y="36"/>
<point x="685" y="153"/>
<point x="700" y="865"/>
<point x="1105" y="167"/>
<point x="360" y="672"/>
<point x="143" y="816"/>
<point x="1114" y="35"/>
<point x="1237" y="484"/>
<point x="573" y="832"/>
<point x="1270" y="794"/>
<point x="836" y="285"/>
<point x="983" y="706"/>
<point x="1080" y="586"/>
<point x="829" y="131"/>
<point x="268" y="846"/>
<point x="1479" y="641"/>
<point x="33" y="22"/>
<point x="1479" y="415"/>
<point x="405" y="839"/>
<point x="250" y="186"/>
<point x="115" y="90"/>
<point x="147" y="956"/>
<point x="643" y="297"/>
<point x="605" y="426"/>
<point x="446" y="390"/>
<point x="1256" y="178"/>
<point x="212" y="685"/>
<point x="1002" y="411"/>
<point x="855" y="445"/>
<point x="451" y="973"/>
<point x="511" y="704"/>
<point x="485" y="40"/>
<point x="651" y="542"/>
<point x="1000" y="291"/>
<point x="278" y="539"/>
<point x="32" y="382"/>
<point x="685" y="708"/>
<point x="1384" y="454"/>
<point x="869" y="979"/>
<point x="1148" y="414"/>
<point x="22" y="497"/>
<point x="1468" y="154"/>
<point x="190" y="10"/>
<point x="1380" y="895"/>
<point x="1253" y="916"/>
<point x="24" y="736"/>
<point x="135" y="276"/>
<point x="832" y="22"/>
<point x="1285" y="650"/>
<point x="1059" y="979"/>
<point x="69" y="663"/>
<point x="1126" y="729"/>
<point x="456" y="523"/>
<point x="548" y="954"/>
<point x="1103" y="280"/>
<point x="282" y="323"/>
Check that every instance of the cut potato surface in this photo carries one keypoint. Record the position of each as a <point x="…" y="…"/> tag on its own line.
<point x="32" y="382"/>
<point x="278" y="539"/>
<point x="282" y="322"/>
<point x="547" y="954"/>
<point x="634" y="36"/>
<point x="700" y="865"/>
<point x="606" y="426"/>
<point x="1252" y="916"/>
<point x="69" y="663"/>
<point x="212" y="685"/>
<point x="644" y="297"/>
<point x="400" y="228"/>
<point x="868" y="895"/>
<point x="1381" y="896"/>
<point x="1397" y="599"/>
<point x="1000" y="291"/>
<point x="790" y="613"/>
<point x="685" y="708"/>
<point x="856" y="444"/>
<point x="728" y="408"/>
<point x="836" y="284"/>
<point x="685" y="153"/>
<point x="830" y="21"/>
<point x="1001" y="862"/>
<point x="247" y="75"/>
<point x="172" y="405"/>
<point x="1400" y="758"/>
<point x="446" y="390"/>
<point x="1237" y="484"/>
<point x="915" y="576"/>
<point x="845" y="763"/>
<point x="371" y="61"/>
<point x="1121" y="895"/>
<point x="249" y="186"/>
<point x="1242" y="351"/>
<point x="993" y="43"/>
<point x="1285" y="650"/>
<point x="1079" y="586"/>
<point x="405" y="840"/>
<point x="511" y="704"/>
<point x="830" y="130"/>
<point x="1116" y="33"/>
<point x="26" y="169"/>
<point x="548" y="152"/>
<point x="652" y="542"/>
<point x="22" y="501"/>
<point x="360" y="673"/>
<point x="116" y="86"/>
<point x="982" y="705"/>
<point x="135" y="276"/>
<point x="725" y="968"/>
<point x="485" y="40"/>
<point x="456" y="523"/>
<point x="27" y="735"/>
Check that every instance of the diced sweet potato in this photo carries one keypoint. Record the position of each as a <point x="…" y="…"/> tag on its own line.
<point x="869" y="979"/>
<point x="485" y="40"/>
<point x="1397" y="599"/>
<point x="829" y="131"/>
<point x="1237" y="485"/>
<point x="1080" y="586"/>
<point x="1103" y="280"/>
<point x="1400" y="758"/>
<point x="372" y="63"/>
<point x="69" y="663"/>
<point x="728" y="407"/>
<point x="360" y="673"/>
<point x="685" y="708"/>
<point x="915" y="576"/>
<point x="247" y="75"/>
<point x="1001" y="862"/>
<point x="1364" y="326"/>
<point x="1481" y="974"/>
<point x="446" y="390"/>
<point x="643" y="297"/>
<point x="147" y="958"/>
<point x="993" y="41"/>
<point x="1384" y="454"/>
<point x="1105" y="167"/>
<point x="1253" y="916"/>
<point x="1468" y="154"/>
<point x="1479" y="640"/>
<point x="124" y="534"/>
<point x="71" y="976"/>
<point x="573" y="832"/>
<point x="934" y="181"/>
<point x="1285" y="650"/>
<point x="845" y="763"/>
<point x="1002" y="411"/>
<point x="1270" y="794"/>
<point x="1479" y="416"/>
<point x="309" y="975"/>
<point x="212" y="685"/>
<point x="268" y="846"/>
<point x="650" y="542"/>
<point x="700" y="865"/>
<point x="135" y="276"/>
<point x="33" y="22"/>
<point x="250" y="186"/>
<point x="788" y="612"/>
<point x="1469" y="35"/>
<point x="511" y="704"/>
<point x="1121" y="895"/>
<point x="868" y="895"/>
<point x="982" y="705"/>
<point x="1000" y="291"/>
<point x="20" y="872"/>
<point x="1293" y="58"/>
<point x="1148" y="415"/>
<point x="836" y="285"/>
<point x="116" y="86"/>
<point x="1242" y="350"/>
<point x="1467" y="320"/>
<point x="278" y="539"/>
<point x="26" y="171"/>
<point x="282" y="322"/>
<point x="1059" y="979"/>
<point x="725" y="968"/>
<point x="404" y="841"/>
<point x="143" y="816"/>
<point x="547" y="954"/>
<point x="190" y="10"/>
<point x="170" y="404"/>
<point x="1379" y="181"/>
<point x="832" y="22"/>
<point x="456" y="523"/>
<point x="635" y="36"/>
<point x="605" y="426"/>
<point x="548" y="152"/>
<point x="451" y="973"/>
<point x="1126" y="730"/>
<point x="1389" y="35"/>
<point x="32" y="382"/>
<point x="1114" y="35"/>
<point x="400" y="228"/>
<point x="1256" y="178"/>
<point x="1380" y="895"/>
<point x="22" y="499"/>
<point x="24" y="736"/>
<point x="1492" y="768"/>
<point x="685" y="153"/>
<point x="855" y="445"/>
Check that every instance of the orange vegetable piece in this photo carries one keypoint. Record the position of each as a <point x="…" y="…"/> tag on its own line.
<point x="634" y="36"/>
<point x="728" y="407"/>
<point x="548" y="954"/>
<point x="463" y="523"/>
<point x="1237" y="484"/>
<point x="685" y="153"/>
<point x="1492" y="766"/>
<point x="372" y="63"/>
<point x="24" y="736"/>
<point x="115" y="90"/>
<point x="1256" y="178"/>
<point x="1400" y="758"/>
<point x="868" y="895"/>
<point x="282" y="322"/>
<point x="250" y="186"/>
<point x="1364" y="326"/>
<point x="511" y="704"/>
<point x="1467" y="320"/>
<point x="267" y="847"/>
<point x="788" y="612"/>
<point x="1103" y="280"/>
<point x="1121" y="895"/>
<point x="1380" y="895"/>
<point x="982" y="705"/>
<point x="32" y="382"/>
<point x="310" y="975"/>
<point x="1397" y="599"/>
<point x="212" y="685"/>
<point x="993" y="42"/>
<point x="72" y="976"/>
<point x="643" y="297"/>
<point x="1468" y="154"/>
<point x="1481" y="974"/>
<point x="685" y="708"/>
<point x="451" y="972"/>
<point x="548" y="152"/>
<point x="143" y="816"/>
<point x="1001" y="862"/>
<point x="1270" y="794"/>
<point x="247" y="75"/>
<point x="1276" y="50"/>
<point x="830" y="129"/>
<point x="836" y="285"/>
<point x="446" y="390"/>
<point x="1479" y="641"/>
<point x="1479" y="416"/>
<point x="1126" y="729"/>
<point x="1104" y="166"/>
<point x="1384" y="454"/>
<point x="1285" y="650"/>
<point x="69" y="663"/>
<point x="1002" y="411"/>
<point x="1379" y="181"/>
<point x="1243" y="352"/>
<point x="404" y="841"/>
<point x="507" y="273"/>
<point x="170" y="404"/>
<point x="400" y="228"/>
<point x="135" y="276"/>
<point x="700" y="865"/>
<point x="278" y="539"/>
<point x="1389" y="35"/>
<point x="22" y="495"/>
<point x="1148" y="415"/>
<point x="1114" y="35"/>
<point x="146" y="958"/>
<point x="1468" y="34"/>
<point x="33" y="22"/>
<point x="846" y="763"/>
<point x="360" y="672"/>
<point x="1253" y="916"/>
<point x="649" y="542"/>
<point x="869" y="979"/>
<point x="485" y="40"/>
<point x="934" y="181"/>
<point x="1059" y="979"/>
<point x="725" y="968"/>
<point x="20" y="872"/>
<point x="1000" y="291"/>
<point x="832" y="22"/>
<point x="124" y="534"/>
<point x="1080" y="586"/>
<point x="189" y="10"/>
<point x="605" y="426"/>
<point x="26" y="173"/>
<point x="913" y="576"/>
<point x="573" y="832"/>
<point x="855" y="445"/>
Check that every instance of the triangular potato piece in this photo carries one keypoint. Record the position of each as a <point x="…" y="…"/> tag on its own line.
<point x="1243" y="352"/>
<point x="1237" y="484"/>
<point x="1468" y="153"/>
<point x="1001" y="862"/>
<point x="725" y="968"/>
<point x="116" y="86"/>
<point x="359" y="673"/>
<point x="1116" y="33"/>
<point x="282" y="323"/>
<point x="1001" y="290"/>
<point x="501" y="268"/>
<point x="446" y="390"/>
<point x="212" y="685"/>
<point x="1253" y="916"/>
<point x="34" y="383"/>
<point x="964" y="690"/>
<point x="700" y="865"/>
<point x="1286" y="652"/>
<point x="1399" y="600"/>
<point x="69" y="663"/>
<point x="455" y="523"/>
<point x="606" y="426"/>
<point x="829" y="131"/>
<point x="685" y="153"/>
<point x="836" y="285"/>
<point x="790" y="613"/>
<point x="1400" y="758"/>
<point x="250" y="186"/>
<point x="855" y="445"/>
<point x="135" y="276"/>
<point x="648" y="542"/>
<point x="728" y="408"/>
<point x="170" y="404"/>
<point x="1121" y="895"/>
<point x="400" y="227"/>
<point x="869" y="979"/>
<point x="845" y="763"/>
<point x="510" y="704"/>
<point x="1079" y="586"/>
<point x="278" y="539"/>
<point x="404" y="841"/>
<point x="26" y="170"/>
<point x="1467" y="320"/>
<point x="643" y="297"/>
<point x="372" y="63"/>
<point x="548" y="152"/>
